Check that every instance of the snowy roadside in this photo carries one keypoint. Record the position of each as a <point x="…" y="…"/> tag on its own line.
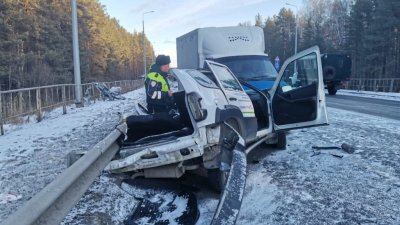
<point x="33" y="154"/>
<point x="300" y="186"/>
<point x="370" y="94"/>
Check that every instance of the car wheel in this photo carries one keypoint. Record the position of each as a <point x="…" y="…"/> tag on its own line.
<point x="281" y="143"/>
<point x="332" y="90"/>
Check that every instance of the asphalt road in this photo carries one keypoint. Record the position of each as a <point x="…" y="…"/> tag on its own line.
<point x="377" y="107"/>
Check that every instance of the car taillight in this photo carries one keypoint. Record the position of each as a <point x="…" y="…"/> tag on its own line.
<point x="198" y="113"/>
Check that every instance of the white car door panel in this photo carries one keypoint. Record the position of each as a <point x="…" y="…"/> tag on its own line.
<point x="234" y="92"/>
<point x="298" y="97"/>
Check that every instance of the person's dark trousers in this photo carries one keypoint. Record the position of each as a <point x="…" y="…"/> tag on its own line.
<point x="156" y="108"/>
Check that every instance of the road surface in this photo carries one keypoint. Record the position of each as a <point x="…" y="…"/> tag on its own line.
<point x="377" y="107"/>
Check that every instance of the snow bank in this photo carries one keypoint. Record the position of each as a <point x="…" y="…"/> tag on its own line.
<point x="371" y="94"/>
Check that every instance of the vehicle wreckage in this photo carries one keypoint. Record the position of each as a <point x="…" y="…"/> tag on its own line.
<point x="214" y="115"/>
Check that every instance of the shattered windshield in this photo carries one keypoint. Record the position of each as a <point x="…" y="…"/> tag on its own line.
<point x="202" y="79"/>
<point x="250" y="68"/>
<point x="226" y="78"/>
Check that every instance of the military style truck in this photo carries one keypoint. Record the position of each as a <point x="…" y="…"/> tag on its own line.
<point x="336" y="69"/>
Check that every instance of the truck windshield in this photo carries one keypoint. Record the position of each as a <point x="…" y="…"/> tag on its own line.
<point x="254" y="67"/>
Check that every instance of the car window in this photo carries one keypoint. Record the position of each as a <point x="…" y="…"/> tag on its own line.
<point x="226" y="78"/>
<point x="300" y="73"/>
<point x="202" y="79"/>
<point x="250" y="68"/>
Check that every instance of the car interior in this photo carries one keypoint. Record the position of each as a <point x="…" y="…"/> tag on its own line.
<point x="258" y="98"/>
<point x="295" y="99"/>
<point x="170" y="125"/>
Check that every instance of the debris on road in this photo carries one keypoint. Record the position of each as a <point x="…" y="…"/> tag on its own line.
<point x="109" y="93"/>
<point x="162" y="201"/>
<point x="166" y="208"/>
<point x="325" y="147"/>
<point x="337" y="156"/>
<point x="345" y="147"/>
<point x="320" y="153"/>
<point x="348" y="148"/>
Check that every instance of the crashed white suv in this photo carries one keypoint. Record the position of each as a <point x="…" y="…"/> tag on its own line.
<point x="214" y="113"/>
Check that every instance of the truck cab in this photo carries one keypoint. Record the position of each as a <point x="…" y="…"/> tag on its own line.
<point x="257" y="70"/>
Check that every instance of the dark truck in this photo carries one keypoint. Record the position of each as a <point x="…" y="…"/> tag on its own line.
<point x="336" y="69"/>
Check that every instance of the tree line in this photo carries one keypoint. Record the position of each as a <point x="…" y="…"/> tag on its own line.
<point x="36" y="44"/>
<point x="367" y="30"/>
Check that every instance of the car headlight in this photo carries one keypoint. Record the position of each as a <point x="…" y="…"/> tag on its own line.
<point x="198" y="113"/>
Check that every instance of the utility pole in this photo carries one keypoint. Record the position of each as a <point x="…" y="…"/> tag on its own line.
<point x="295" y="40"/>
<point x="144" y="46"/>
<point x="75" y="43"/>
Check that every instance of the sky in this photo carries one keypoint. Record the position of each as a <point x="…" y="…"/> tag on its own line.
<point x="172" y="19"/>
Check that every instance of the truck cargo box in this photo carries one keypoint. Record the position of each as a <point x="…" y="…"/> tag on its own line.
<point x="215" y="42"/>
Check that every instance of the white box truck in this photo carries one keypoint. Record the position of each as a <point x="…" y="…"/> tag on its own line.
<point x="241" y="48"/>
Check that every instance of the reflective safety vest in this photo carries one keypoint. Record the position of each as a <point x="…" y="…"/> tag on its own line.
<point x="156" y="85"/>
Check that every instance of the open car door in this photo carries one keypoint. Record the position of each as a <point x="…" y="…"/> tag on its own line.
<point x="298" y="97"/>
<point x="231" y="87"/>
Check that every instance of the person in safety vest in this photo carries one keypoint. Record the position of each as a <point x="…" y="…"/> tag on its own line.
<point x="158" y="94"/>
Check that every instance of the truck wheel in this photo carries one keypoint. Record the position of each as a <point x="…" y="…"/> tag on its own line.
<point x="281" y="144"/>
<point x="332" y="90"/>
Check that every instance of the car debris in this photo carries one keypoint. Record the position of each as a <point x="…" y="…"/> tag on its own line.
<point x="345" y="147"/>
<point x="337" y="156"/>
<point x="109" y="93"/>
<point x="315" y="153"/>
<point x="157" y="209"/>
<point x="348" y="148"/>
<point x="325" y="147"/>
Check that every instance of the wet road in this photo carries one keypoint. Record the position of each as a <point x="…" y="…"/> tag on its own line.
<point x="377" y="107"/>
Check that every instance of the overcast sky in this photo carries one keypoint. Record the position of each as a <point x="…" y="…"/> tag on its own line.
<point x="174" y="18"/>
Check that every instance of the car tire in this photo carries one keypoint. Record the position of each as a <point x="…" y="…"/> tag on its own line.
<point x="281" y="143"/>
<point x="332" y="90"/>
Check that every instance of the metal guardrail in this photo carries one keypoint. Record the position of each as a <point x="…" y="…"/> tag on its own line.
<point x="381" y="85"/>
<point x="53" y="203"/>
<point x="14" y="104"/>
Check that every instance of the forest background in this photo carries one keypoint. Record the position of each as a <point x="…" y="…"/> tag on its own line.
<point x="36" y="39"/>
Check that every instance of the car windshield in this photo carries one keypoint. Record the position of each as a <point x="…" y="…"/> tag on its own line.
<point x="198" y="76"/>
<point x="201" y="79"/>
<point x="250" y="67"/>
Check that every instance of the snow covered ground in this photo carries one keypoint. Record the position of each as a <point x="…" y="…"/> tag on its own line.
<point x="300" y="186"/>
<point x="33" y="154"/>
<point x="295" y="186"/>
<point x="371" y="94"/>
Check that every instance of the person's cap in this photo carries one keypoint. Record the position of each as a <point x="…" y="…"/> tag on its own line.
<point x="163" y="60"/>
